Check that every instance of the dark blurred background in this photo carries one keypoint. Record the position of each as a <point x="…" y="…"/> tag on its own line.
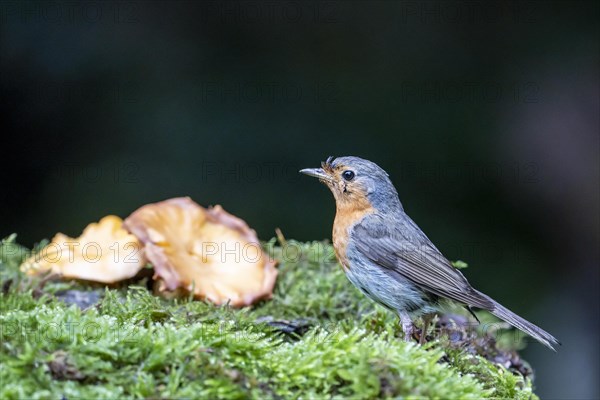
<point x="485" y="115"/>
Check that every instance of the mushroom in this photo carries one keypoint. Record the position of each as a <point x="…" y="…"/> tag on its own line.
<point x="207" y="252"/>
<point x="105" y="252"/>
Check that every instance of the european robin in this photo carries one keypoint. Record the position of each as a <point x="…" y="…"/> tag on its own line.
<point x="387" y="256"/>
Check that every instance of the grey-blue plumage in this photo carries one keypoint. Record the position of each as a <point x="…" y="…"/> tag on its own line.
<point x="409" y="258"/>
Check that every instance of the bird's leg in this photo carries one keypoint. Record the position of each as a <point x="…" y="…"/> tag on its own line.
<point x="407" y="325"/>
<point x="426" y="320"/>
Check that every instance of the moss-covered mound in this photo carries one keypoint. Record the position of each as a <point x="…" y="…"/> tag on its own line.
<point x="317" y="338"/>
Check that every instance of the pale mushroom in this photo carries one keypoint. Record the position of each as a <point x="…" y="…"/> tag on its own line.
<point x="105" y="252"/>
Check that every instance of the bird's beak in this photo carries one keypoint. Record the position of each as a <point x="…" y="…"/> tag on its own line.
<point x="317" y="173"/>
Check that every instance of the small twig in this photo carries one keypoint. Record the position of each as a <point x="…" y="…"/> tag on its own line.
<point x="280" y="237"/>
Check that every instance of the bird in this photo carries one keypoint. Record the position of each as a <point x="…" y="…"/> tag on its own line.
<point x="388" y="257"/>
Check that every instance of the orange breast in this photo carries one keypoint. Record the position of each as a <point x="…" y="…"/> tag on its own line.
<point x="345" y="219"/>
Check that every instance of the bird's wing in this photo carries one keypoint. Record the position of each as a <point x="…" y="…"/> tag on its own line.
<point x="399" y="245"/>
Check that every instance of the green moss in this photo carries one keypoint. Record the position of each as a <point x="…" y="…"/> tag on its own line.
<point x="134" y="344"/>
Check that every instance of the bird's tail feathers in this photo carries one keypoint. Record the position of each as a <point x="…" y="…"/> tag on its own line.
<point x="521" y="323"/>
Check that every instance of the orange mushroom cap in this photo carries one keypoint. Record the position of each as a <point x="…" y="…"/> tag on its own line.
<point x="208" y="252"/>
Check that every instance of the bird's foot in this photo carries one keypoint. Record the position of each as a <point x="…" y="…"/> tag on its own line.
<point x="423" y="332"/>
<point x="407" y="326"/>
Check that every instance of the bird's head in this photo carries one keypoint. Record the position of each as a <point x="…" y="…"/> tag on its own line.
<point x="357" y="183"/>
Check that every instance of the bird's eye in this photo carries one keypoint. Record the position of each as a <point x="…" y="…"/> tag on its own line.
<point x="348" y="175"/>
